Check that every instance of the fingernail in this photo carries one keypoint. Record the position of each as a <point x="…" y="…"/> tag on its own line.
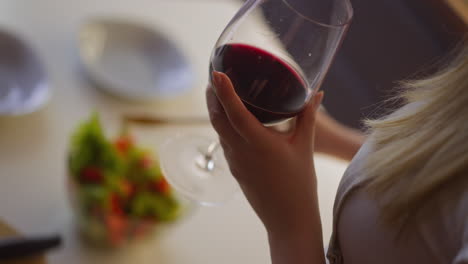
<point x="318" y="99"/>
<point x="217" y="78"/>
<point x="320" y="94"/>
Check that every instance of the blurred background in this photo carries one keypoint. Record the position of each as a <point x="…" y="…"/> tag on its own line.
<point x="389" y="41"/>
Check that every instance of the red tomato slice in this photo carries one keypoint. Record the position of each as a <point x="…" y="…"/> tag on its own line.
<point x="92" y="175"/>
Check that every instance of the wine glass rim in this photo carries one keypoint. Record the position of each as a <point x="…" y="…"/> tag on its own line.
<point x="350" y="15"/>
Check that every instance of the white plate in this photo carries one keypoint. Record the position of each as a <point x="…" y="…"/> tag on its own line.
<point x="133" y="61"/>
<point x="23" y="82"/>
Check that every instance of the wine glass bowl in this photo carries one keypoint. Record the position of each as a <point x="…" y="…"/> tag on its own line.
<point x="277" y="53"/>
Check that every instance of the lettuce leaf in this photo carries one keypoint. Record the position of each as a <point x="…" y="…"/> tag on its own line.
<point x="89" y="147"/>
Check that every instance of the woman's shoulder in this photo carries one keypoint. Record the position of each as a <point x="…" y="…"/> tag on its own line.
<point x="350" y="180"/>
<point x="355" y="173"/>
<point x="443" y="227"/>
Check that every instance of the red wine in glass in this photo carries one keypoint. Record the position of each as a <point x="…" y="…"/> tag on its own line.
<point x="271" y="89"/>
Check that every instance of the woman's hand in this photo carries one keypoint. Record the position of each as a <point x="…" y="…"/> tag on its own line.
<point x="275" y="170"/>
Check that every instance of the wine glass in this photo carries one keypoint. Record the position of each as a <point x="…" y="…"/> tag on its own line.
<point x="276" y="53"/>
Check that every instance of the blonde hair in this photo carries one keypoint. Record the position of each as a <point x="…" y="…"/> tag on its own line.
<point x="422" y="147"/>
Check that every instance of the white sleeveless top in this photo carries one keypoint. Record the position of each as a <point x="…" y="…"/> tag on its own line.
<point x="359" y="238"/>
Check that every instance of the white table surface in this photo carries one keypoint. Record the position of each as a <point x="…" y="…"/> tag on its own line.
<point x="32" y="148"/>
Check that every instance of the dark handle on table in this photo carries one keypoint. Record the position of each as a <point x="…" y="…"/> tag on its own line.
<point x="17" y="247"/>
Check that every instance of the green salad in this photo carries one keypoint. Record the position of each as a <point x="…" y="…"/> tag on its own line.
<point x="118" y="186"/>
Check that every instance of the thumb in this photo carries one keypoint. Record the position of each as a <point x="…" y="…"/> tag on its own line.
<point x="305" y="124"/>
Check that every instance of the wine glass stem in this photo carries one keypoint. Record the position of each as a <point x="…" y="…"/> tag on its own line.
<point x="206" y="162"/>
<point x="211" y="149"/>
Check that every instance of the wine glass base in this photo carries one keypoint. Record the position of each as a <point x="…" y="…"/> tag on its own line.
<point x="181" y="157"/>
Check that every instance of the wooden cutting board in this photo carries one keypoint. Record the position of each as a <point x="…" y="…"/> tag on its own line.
<point x="6" y="230"/>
